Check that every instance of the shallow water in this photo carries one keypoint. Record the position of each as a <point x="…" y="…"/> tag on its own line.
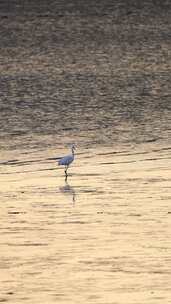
<point x="102" y="82"/>
<point x="101" y="237"/>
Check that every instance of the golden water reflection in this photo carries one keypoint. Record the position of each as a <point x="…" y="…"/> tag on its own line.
<point x="101" y="237"/>
<point x="67" y="189"/>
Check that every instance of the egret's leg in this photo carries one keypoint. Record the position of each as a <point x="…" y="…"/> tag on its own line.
<point x="66" y="175"/>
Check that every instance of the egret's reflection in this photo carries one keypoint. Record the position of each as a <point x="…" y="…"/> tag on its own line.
<point x="67" y="189"/>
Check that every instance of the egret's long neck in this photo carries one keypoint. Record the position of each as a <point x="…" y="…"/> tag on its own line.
<point x="72" y="151"/>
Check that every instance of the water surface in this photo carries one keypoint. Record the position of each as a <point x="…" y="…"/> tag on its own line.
<point x="99" y="78"/>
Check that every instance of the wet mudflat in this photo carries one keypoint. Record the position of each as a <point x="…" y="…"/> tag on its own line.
<point x="97" y="75"/>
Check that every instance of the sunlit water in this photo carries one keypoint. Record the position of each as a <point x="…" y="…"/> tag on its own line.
<point x="102" y="236"/>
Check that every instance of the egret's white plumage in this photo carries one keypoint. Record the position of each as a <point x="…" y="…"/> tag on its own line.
<point x="67" y="160"/>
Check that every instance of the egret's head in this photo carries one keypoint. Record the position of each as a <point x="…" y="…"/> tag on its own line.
<point x="73" y="148"/>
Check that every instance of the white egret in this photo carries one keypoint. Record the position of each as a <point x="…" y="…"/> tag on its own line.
<point x="67" y="160"/>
